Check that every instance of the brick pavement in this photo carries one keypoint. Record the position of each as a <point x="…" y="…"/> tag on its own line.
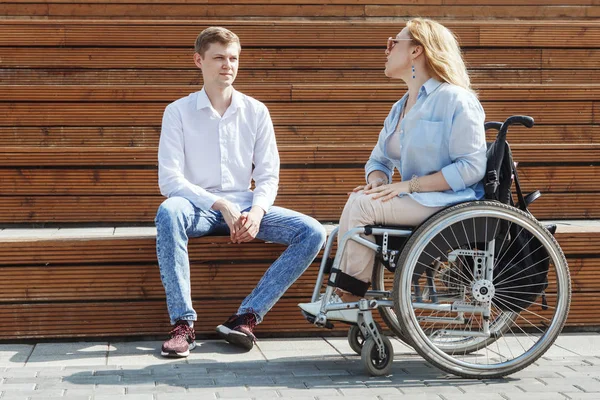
<point x="311" y="368"/>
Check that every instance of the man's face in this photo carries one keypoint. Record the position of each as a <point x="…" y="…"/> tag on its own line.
<point x="219" y="64"/>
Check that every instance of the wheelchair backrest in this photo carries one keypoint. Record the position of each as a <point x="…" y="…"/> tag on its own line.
<point x="500" y="169"/>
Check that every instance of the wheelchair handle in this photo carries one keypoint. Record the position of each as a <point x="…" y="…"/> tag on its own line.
<point x="500" y="141"/>
<point x="515" y="119"/>
<point x="519" y="119"/>
<point x="502" y="127"/>
<point x="492" y="125"/>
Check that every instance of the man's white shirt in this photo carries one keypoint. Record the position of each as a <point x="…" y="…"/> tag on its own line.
<point x="204" y="157"/>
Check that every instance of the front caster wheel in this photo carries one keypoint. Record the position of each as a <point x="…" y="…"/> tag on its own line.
<point x="373" y="363"/>
<point x="356" y="340"/>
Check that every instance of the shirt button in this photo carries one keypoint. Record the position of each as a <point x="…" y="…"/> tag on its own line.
<point x="401" y="130"/>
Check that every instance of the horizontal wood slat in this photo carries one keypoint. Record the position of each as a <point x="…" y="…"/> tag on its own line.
<point x="308" y="113"/>
<point x="212" y="281"/>
<point x="127" y="136"/>
<point x="208" y="249"/>
<point x="269" y="59"/>
<point x="142" y="209"/>
<point x="150" y="318"/>
<point x="487" y="12"/>
<point x="132" y="182"/>
<point x="275" y="2"/>
<point x="290" y="59"/>
<point x="136" y="282"/>
<point x="355" y="33"/>
<point x="295" y="154"/>
<point x="286" y="92"/>
<point x="77" y="76"/>
<point x="151" y="32"/>
<point x="143" y="318"/>
<point x="194" y="11"/>
<point x="181" y="11"/>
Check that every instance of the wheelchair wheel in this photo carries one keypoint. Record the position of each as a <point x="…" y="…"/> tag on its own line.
<point x="456" y="315"/>
<point x="356" y="340"/>
<point x="373" y="363"/>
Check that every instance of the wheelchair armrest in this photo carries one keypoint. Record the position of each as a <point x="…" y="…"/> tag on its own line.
<point x="369" y="228"/>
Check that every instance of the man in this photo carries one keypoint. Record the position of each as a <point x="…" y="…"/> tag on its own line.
<point x="213" y="143"/>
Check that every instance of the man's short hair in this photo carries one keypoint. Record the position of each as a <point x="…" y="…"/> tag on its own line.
<point x="215" y="34"/>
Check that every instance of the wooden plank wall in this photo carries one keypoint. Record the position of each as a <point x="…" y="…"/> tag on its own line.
<point x="84" y="84"/>
<point x="99" y="287"/>
<point x="82" y="102"/>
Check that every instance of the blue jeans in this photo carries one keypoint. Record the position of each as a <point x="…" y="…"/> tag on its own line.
<point x="178" y="219"/>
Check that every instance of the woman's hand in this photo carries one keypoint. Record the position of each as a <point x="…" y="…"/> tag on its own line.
<point x="388" y="192"/>
<point x="371" y="185"/>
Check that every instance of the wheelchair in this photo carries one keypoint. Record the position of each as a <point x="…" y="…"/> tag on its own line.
<point x="444" y="287"/>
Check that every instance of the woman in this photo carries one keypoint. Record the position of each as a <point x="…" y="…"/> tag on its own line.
<point x="434" y="137"/>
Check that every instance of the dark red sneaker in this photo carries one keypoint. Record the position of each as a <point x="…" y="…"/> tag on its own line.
<point x="238" y="330"/>
<point x="183" y="339"/>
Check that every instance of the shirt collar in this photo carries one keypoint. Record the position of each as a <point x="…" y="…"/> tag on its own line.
<point x="202" y="101"/>
<point x="430" y="85"/>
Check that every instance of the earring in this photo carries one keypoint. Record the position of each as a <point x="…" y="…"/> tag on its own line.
<point x="413" y="71"/>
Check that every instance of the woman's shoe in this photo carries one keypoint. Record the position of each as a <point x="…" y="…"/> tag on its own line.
<point x="349" y="315"/>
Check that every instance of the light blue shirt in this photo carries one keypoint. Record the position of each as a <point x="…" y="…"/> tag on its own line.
<point x="444" y="132"/>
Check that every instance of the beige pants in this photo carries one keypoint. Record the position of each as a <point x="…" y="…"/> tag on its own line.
<point x="361" y="209"/>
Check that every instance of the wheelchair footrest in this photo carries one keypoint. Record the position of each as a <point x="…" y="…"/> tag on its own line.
<point x="311" y="318"/>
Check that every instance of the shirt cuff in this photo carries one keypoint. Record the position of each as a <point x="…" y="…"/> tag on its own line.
<point x="261" y="202"/>
<point x="453" y="177"/>
<point x="206" y="202"/>
<point x="376" y="166"/>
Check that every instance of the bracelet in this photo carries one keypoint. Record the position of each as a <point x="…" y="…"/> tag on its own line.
<point x="414" y="185"/>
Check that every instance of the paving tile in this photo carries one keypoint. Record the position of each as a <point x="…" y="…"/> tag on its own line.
<point x="18" y="373"/>
<point x="310" y="368"/>
<point x="579" y="396"/>
<point x="68" y="354"/>
<point x="473" y="396"/>
<point x="44" y="397"/>
<point x="321" y="393"/>
<point x="536" y="396"/>
<point x="138" y="353"/>
<point x="219" y="351"/>
<point x="580" y="344"/>
<point x="14" y="355"/>
<point x="291" y="350"/>
<point x="423" y="396"/>
<point x="124" y="397"/>
<point x="560" y="385"/>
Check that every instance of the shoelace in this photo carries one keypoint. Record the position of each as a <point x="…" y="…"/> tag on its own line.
<point x="250" y="321"/>
<point x="181" y="330"/>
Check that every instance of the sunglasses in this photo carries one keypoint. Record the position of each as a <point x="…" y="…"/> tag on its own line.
<point x="391" y="42"/>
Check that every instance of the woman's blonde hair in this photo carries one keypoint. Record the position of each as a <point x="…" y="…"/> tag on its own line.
<point x="442" y="52"/>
